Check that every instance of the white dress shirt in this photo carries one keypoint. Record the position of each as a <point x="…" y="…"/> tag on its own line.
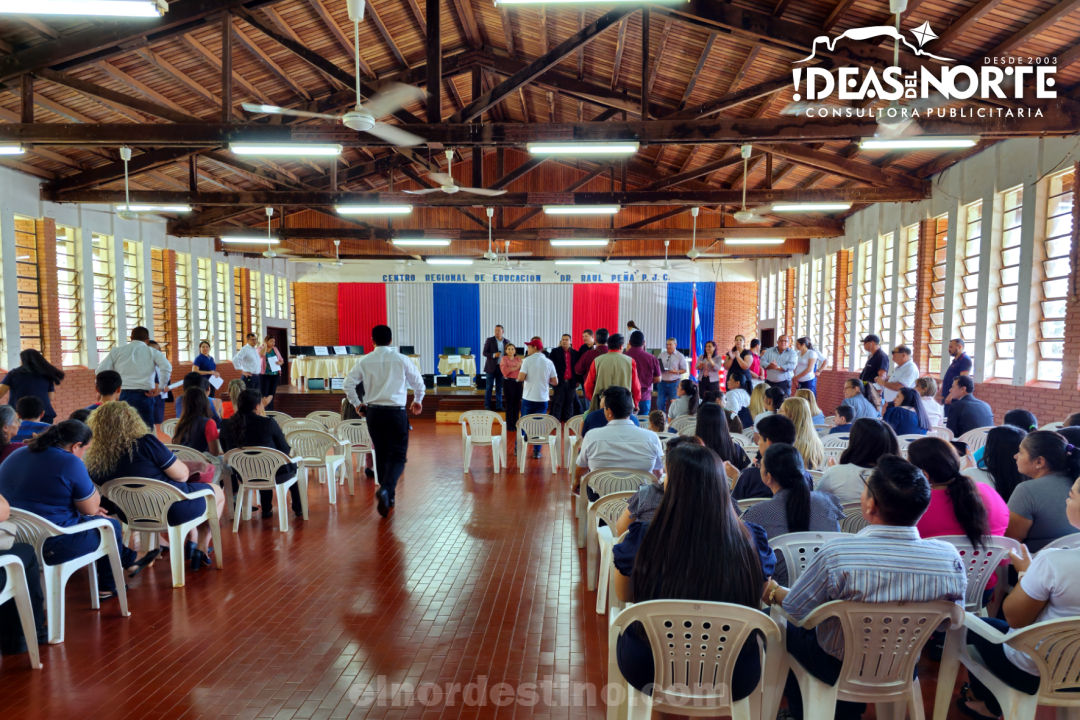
<point x="735" y="400"/>
<point x="808" y="359"/>
<point x="136" y="363"/>
<point x="248" y="360"/>
<point x="935" y="412"/>
<point x="672" y="366"/>
<point x="538" y="371"/>
<point x="905" y="374"/>
<point x="386" y="375"/>
<point x="621" y="444"/>
<point x="787" y="361"/>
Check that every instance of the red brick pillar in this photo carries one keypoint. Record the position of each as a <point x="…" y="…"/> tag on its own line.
<point x="841" y="293"/>
<point x="245" y="302"/>
<point x="923" y="292"/>
<point x="316" y="313"/>
<point x="789" y="303"/>
<point x="48" y="291"/>
<point x="1069" y="365"/>
<point x="171" y="331"/>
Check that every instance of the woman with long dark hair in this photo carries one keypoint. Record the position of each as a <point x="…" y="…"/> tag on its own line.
<point x="1023" y="419"/>
<point x="869" y="440"/>
<point x="709" y="368"/>
<point x="1037" y="507"/>
<point x="196" y="428"/>
<point x="997" y="468"/>
<point x="773" y="399"/>
<point x="862" y="398"/>
<point x="794" y="506"/>
<point x="686" y="400"/>
<point x="695" y="548"/>
<point x="738" y="361"/>
<point x="35" y="376"/>
<point x="714" y="430"/>
<point x="906" y="413"/>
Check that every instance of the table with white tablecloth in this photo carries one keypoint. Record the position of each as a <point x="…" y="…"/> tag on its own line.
<point x="328" y="366"/>
<point x="466" y="364"/>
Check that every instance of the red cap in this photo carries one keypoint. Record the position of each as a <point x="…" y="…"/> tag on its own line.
<point x="536" y="344"/>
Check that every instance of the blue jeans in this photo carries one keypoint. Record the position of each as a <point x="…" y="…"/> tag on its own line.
<point x="531" y="407"/>
<point x="665" y="393"/>
<point x="644" y="405"/>
<point x="142" y="404"/>
<point x="810" y="385"/>
<point x="493" y="380"/>
<point x="62" y="548"/>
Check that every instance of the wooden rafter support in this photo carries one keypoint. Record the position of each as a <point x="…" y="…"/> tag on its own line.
<point x="418" y="14"/>
<point x="468" y="23"/>
<point x="148" y="92"/>
<point x="139" y="163"/>
<point x="508" y="30"/>
<point x="433" y="49"/>
<point x="115" y="98"/>
<point x="1038" y="26"/>
<point x="268" y="62"/>
<point x="620" y="46"/>
<point x="343" y="40"/>
<point x="697" y="71"/>
<point x="203" y="52"/>
<point x="976" y="13"/>
<point x="514" y="235"/>
<point x="838" y="165"/>
<point x="837" y="13"/>
<point x="371" y="12"/>
<point x="697" y="172"/>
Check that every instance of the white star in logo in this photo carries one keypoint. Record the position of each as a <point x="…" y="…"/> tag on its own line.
<point x="923" y="34"/>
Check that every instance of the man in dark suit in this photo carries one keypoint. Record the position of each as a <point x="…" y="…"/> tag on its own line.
<point x="967" y="412"/>
<point x="493" y="351"/>
<point x="564" y="401"/>
<point x="587" y="344"/>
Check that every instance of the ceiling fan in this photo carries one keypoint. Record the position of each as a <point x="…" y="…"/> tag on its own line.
<point x="363" y="118"/>
<point x="744" y="215"/>
<point x="269" y="235"/>
<point x="694" y="253"/>
<point x="126" y="214"/>
<point x="446" y="184"/>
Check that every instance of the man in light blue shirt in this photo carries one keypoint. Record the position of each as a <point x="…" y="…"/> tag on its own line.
<point x="136" y="363"/>
<point x="779" y="364"/>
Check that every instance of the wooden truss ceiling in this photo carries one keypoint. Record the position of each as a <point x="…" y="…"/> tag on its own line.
<point x="714" y="74"/>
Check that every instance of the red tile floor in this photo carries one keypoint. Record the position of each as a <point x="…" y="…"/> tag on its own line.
<point x="473" y="578"/>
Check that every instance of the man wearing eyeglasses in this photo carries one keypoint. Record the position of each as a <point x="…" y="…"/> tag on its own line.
<point x="903" y="374"/>
<point x="779" y="364"/>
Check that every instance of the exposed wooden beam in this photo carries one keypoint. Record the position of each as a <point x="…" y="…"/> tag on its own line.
<point x="268" y="62"/>
<point x="172" y="71"/>
<point x="744" y="68"/>
<point x="139" y="163"/>
<point x="508" y="29"/>
<point x="455" y="96"/>
<point x="434" y="62"/>
<point x="120" y="76"/>
<point x="837" y="165"/>
<point x="737" y="97"/>
<point x="541" y="64"/>
<point x="203" y="52"/>
<point x="659" y="217"/>
<point x="26" y="97"/>
<point x="27" y="168"/>
<point x="371" y="12"/>
<point x="837" y="12"/>
<point x="628" y="232"/>
<point x="581" y="50"/>
<point x="418" y="14"/>
<point x="976" y="13"/>
<point x="328" y="20"/>
<point x="88" y="88"/>
<point x="697" y="172"/>
<point x="193" y="173"/>
<point x="519" y="172"/>
<point x="42" y="29"/>
<point x="1068" y="57"/>
<point x="659" y="54"/>
<point x="781" y="6"/>
<point x="271" y="176"/>
<point x="543" y="23"/>
<point x="645" y="85"/>
<point x="226" y="66"/>
<point x="620" y="45"/>
<point x="1040" y="25"/>
<point x="468" y="23"/>
<point x="61" y="110"/>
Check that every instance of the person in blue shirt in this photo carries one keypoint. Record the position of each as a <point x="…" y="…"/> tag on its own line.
<point x="205" y="366"/>
<point x="30" y="410"/>
<point x="960" y="366"/>
<point x="109" y="385"/>
<point x="36" y="377"/>
<point x="906" y="415"/>
<point x="847" y="415"/>
<point x="48" y="478"/>
<point x="194" y="379"/>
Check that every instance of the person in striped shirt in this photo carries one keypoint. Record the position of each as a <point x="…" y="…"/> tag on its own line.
<point x="886" y="562"/>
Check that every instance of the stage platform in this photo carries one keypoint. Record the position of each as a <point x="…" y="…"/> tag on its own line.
<point x="443" y="404"/>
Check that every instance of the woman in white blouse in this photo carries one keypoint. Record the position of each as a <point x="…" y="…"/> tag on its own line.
<point x="927" y="388"/>
<point x="807" y="368"/>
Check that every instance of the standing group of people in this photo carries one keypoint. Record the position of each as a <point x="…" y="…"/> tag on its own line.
<point x="259" y="365"/>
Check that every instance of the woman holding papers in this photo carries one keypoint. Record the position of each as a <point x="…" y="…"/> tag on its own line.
<point x="271" y="369"/>
<point x="204" y="365"/>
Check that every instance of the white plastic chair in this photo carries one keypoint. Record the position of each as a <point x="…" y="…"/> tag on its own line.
<point x="221" y="477"/>
<point x="740" y="440"/>
<point x="799" y="548"/>
<point x="168" y="428"/>
<point x="322" y="451"/>
<point x="608" y="508"/>
<point x="1068" y="542"/>
<point x="823" y="430"/>
<point x="301" y="424"/>
<point x="981" y="564"/>
<point x="1053" y="646"/>
<point x="35" y="530"/>
<point x="643" y="419"/>
<point x="613" y="601"/>
<point x="683" y="425"/>
<point x="749" y="503"/>
<point x="853" y="520"/>
<point x="146" y="504"/>
<point x="815" y="476"/>
<point x="834" y="452"/>
<point x="1054" y="426"/>
<point x="606" y="481"/>
<point x="279" y="417"/>
<point x="16" y="588"/>
<point x="538" y="430"/>
<point x="751" y="452"/>
<point x="572" y="438"/>
<point x="976" y="438"/>
<point x="328" y="419"/>
<point x="697" y="644"/>
<point x="839" y="440"/>
<point x="940" y="431"/>
<point x="749" y="434"/>
<point x="664" y="437"/>
<point x="476" y="429"/>
<point x="882" y="644"/>
<point x="256" y="468"/>
<point x="904" y="440"/>
<point x="355" y="432"/>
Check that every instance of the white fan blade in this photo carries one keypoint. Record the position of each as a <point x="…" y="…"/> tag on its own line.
<point x="391" y="98"/>
<point x="440" y="178"/>
<point x="428" y="191"/>
<point x="395" y="135"/>
<point x="274" y="110"/>
<point x="482" y="191"/>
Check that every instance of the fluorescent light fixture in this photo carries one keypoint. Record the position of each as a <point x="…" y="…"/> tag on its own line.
<point x="584" y="148"/>
<point x="420" y="242"/>
<point x="249" y="240"/>
<point x="581" y="209"/>
<point x="154" y="208"/>
<point x="577" y="262"/>
<point x="293" y="149"/>
<point x="918" y="143"/>
<point x="373" y="209"/>
<point x="11" y="149"/>
<point x="448" y="261"/>
<point x="753" y="241"/>
<point x="101" y="8"/>
<point x="579" y="242"/>
<point x="811" y="207"/>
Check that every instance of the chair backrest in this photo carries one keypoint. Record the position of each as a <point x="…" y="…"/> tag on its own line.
<point x="749" y="433"/>
<point x="168" y="428"/>
<point x="739" y="440"/>
<point x="479" y="423"/>
<point x="610" y="507"/>
<point x="279" y="417"/>
<point x="326" y="418"/>
<point x="683" y="425"/>
<point x="980" y="563"/>
<point x="749" y="502"/>
<point x="643" y="419"/>
<point x="611" y="480"/>
<point x="538" y="427"/>
<point x="573" y="425"/>
<point x="839" y="440"/>
<point x="834" y="452"/>
<point x="976" y="438"/>
<point x="883" y="641"/>
<point x="301" y="424"/>
<point x="696" y="645"/>
<point x="904" y="440"/>
<point x="1053" y="645"/>
<point x="1068" y="542"/>
<point x="853" y="520"/>
<point x="33" y="529"/>
<point x="799" y="549"/>
<point x="257" y="466"/>
<point x="751" y="451"/>
<point x="940" y="431"/>
<point x="145" y="502"/>
<point x="313" y="443"/>
<point x="354" y="431"/>
<point x="185" y="454"/>
<point x="1054" y="426"/>
<point x="664" y="437"/>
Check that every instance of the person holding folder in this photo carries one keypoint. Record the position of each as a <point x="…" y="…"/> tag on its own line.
<point x="270" y="369"/>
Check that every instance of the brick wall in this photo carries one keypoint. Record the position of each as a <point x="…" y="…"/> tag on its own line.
<point x="789" y="303"/>
<point x="840" y="299"/>
<point x="830" y="389"/>
<point x="736" y="313"/>
<point x="77" y="391"/>
<point x="48" y="291"/>
<point x="316" y="313"/>
<point x="172" y="327"/>
<point x="925" y="279"/>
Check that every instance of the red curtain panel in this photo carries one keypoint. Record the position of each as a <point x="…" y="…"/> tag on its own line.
<point x="595" y="306"/>
<point x="361" y="306"/>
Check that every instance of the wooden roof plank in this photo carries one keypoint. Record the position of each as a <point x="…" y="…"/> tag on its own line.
<point x="1042" y="23"/>
<point x="374" y="15"/>
<point x="335" y="30"/>
<point x="266" y="60"/>
<point x="212" y="59"/>
<point x="148" y="92"/>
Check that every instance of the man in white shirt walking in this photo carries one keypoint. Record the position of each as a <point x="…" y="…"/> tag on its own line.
<point x="537" y="374"/>
<point x="249" y="362"/>
<point x="672" y="366"/>
<point x="904" y="373"/>
<point x="386" y="376"/>
<point x="619" y="444"/>
<point x="136" y="362"/>
<point x="779" y="364"/>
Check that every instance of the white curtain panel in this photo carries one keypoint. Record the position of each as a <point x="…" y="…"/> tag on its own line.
<point x="527" y="310"/>
<point x="410" y="312"/>
<point x="646" y="305"/>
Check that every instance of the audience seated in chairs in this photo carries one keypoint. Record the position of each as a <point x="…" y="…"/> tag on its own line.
<point x="807" y="441"/>
<point x="817" y="417"/>
<point x="619" y="444"/>
<point x="196" y="428"/>
<point x="845" y="416"/>
<point x="713" y="429"/>
<point x="234" y="388"/>
<point x="906" y="414"/>
<point x="9" y="428"/>
<point x="124" y="447"/>
<point x="195" y="380"/>
<point x="736" y="398"/>
<point x="935" y="411"/>
<point x="686" y="400"/>
<point x="642" y="506"/>
<point x="748" y="483"/>
<point x="597" y="419"/>
<point x="905" y="568"/>
<point x="1023" y="419"/>
<point x="12" y="640"/>
<point x="695" y="548"/>
<point x="773" y="398"/>
<point x="249" y="427"/>
<point x="966" y="412"/>
<point x="794" y="506"/>
<point x="31" y="411"/>
<point x="1037" y="506"/>
<point x="82" y="415"/>
<point x="109" y="384"/>
<point x="1048" y="589"/>
<point x="996" y="465"/>
<point x="757" y="402"/>
<point x="49" y="479"/>
<point x="869" y="440"/>
<point x="862" y="398"/>
<point x="657" y="421"/>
